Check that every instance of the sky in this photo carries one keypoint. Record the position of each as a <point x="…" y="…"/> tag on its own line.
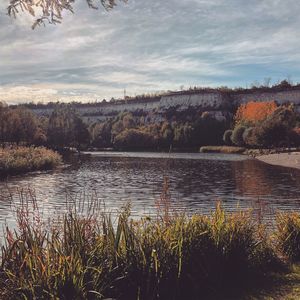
<point x="148" y="46"/>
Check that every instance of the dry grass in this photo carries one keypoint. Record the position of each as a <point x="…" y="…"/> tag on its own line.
<point x="222" y="149"/>
<point x="18" y="160"/>
<point x="165" y="257"/>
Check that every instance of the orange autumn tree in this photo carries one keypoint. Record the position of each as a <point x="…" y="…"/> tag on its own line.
<point x="253" y="112"/>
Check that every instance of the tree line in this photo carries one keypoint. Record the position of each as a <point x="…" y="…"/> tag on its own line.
<point x="255" y="124"/>
<point x="126" y="131"/>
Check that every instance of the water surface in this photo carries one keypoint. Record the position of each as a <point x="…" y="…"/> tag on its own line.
<point x="196" y="183"/>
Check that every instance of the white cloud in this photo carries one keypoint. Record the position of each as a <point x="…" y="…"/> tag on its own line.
<point x="146" y="46"/>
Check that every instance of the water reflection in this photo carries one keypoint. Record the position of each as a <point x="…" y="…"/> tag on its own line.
<point x="197" y="181"/>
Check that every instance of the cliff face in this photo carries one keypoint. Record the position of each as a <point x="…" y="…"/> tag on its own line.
<point x="217" y="103"/>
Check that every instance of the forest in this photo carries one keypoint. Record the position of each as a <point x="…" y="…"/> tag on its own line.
<point x="254" y="125"/>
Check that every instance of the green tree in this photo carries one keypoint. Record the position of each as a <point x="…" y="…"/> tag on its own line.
<point x="133" y="139"/>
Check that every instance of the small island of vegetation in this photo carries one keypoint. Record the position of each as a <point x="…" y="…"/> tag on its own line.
<point x="17" y="160"/>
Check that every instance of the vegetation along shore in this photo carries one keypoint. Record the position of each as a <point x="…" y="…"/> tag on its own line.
<point x="17" y="160"/>
<point x="171" y="256"/>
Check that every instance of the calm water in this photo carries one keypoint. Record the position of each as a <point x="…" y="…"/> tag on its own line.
<point x="197" y="181"/>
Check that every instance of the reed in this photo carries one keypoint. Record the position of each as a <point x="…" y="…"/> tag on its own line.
<point x="288" y="235"/>
<point x="170" y="256"/>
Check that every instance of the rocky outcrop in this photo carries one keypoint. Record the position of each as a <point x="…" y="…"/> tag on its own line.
<point x="217" y="103"/>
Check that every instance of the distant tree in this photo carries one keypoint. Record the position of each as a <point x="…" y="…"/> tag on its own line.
<point x="237" y="135"/>
<point x="18" y="125"/>
<point x="253" y="112"/>
<point x="81" y="133"/>
<point x="50" y="11"/>
<point x="167" y="134"/>
<point x="66" y="129"/>
<point x="100" y="134"/>
<point x="274" y="130"/>
<point x="133" y="139"/>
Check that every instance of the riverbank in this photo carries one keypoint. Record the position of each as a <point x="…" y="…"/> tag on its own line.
<point x="19" y="160"/>
<point x="219" y="256"/>
<point x="290" y="160"/>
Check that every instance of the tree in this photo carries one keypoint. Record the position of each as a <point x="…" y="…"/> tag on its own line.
<point x="133" y="139"/>
<point x="253" y="112"/>
<point x="100" y="134"/>
<point x="18" y="125"/>
<point x="66" y="129"/>
<point x="52" y="10"/>
<point x="274" y="130"/>
<point x="237" y="135"/>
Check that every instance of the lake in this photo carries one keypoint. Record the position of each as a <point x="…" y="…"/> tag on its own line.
<point x="196" y="182"/>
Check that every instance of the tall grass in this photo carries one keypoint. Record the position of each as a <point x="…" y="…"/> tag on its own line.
<point x="288" y="235"/>
<point x="154" y="258"/>
<point x="26" y="159"/>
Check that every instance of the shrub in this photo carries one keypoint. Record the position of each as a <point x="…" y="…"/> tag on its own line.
<point x="237" y="135"/>
<point x="227" y="137"/>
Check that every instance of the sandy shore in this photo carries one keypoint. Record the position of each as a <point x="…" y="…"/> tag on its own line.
<point x="290" y="160"/>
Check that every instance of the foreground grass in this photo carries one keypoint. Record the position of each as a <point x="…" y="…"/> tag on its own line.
<point x="26" y="159"/>
<point x="220" y="256"/>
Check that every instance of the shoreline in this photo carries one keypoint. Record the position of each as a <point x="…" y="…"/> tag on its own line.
<point x="288" y="160"/>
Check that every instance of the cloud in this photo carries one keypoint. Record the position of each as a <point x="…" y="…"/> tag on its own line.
<point x="145" y="46"/>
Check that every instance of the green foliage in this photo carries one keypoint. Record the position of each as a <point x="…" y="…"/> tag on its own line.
<point x="237" y="135"/>
<point x="190" y="130"/>
<point x="275" y="130"/>
<point x="133" y="139"/>
<point x="208" y="131"/>
<point x="154" y="258"/>
<point x="227" y="137"/>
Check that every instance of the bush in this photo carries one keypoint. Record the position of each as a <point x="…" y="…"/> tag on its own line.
<point x="237" y="135"/>
<point x="227" y="137"/>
